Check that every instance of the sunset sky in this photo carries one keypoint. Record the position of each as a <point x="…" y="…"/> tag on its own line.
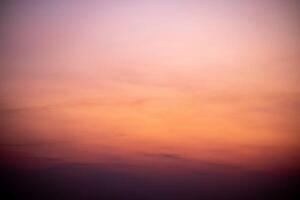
<point x="151" y="86"/>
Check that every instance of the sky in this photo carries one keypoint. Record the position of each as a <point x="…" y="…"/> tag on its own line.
<point x="151" y="87"/>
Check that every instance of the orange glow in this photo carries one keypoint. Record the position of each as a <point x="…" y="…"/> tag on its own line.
<point x="140" y="82"/>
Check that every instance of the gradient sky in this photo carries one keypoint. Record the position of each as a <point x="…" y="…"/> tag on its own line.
<point x="189" y="83"/>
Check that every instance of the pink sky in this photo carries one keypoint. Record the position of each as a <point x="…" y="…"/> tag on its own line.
<point x="209" y="81"/>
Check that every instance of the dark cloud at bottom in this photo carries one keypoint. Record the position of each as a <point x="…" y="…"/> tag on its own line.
<point x="91" y="181"/>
